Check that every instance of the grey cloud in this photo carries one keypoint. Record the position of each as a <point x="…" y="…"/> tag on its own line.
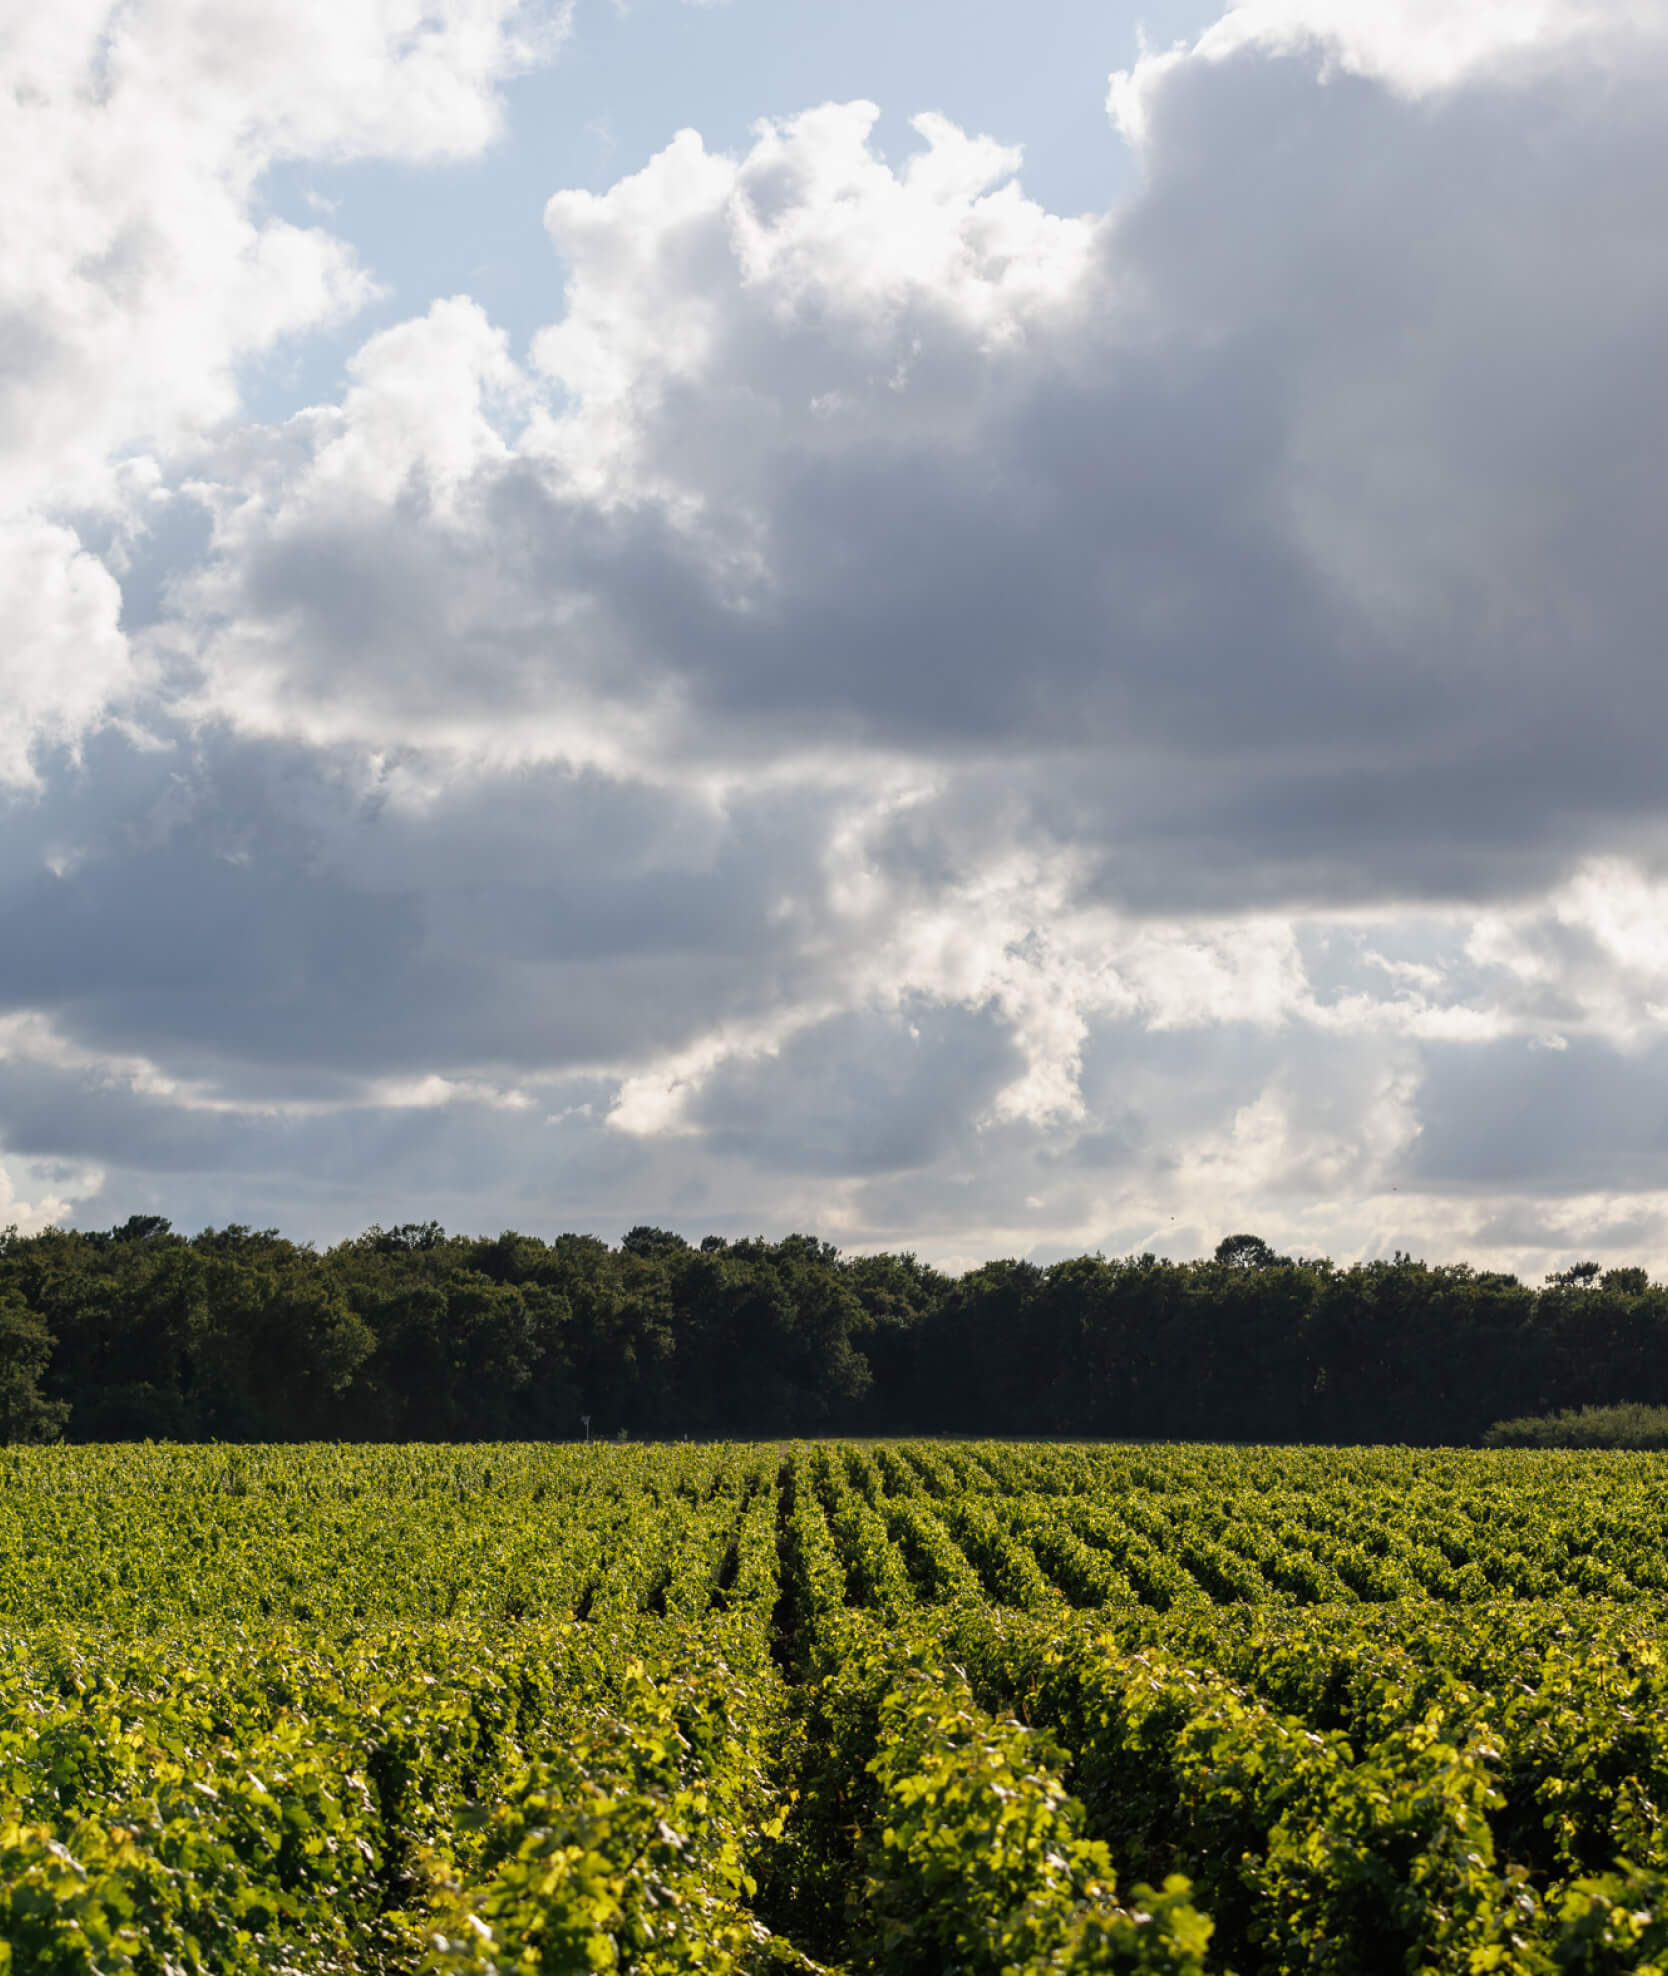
<point x="863" y="1094"/>
<point x="1507" y="1116"/>
<point x="327" y="1173"/>
<point x="1527" y="1225"/>
<point x="176" y="534"/>
<point x="247" y="905"/>
<point x="1351" y="580"/>
<point x="1307" y="555"/>
<point x="1189" y="1075"/>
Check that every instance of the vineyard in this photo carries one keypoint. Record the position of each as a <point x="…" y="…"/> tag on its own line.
<point x="914" y="1707"/>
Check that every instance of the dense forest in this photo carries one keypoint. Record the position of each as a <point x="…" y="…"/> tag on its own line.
<point x="412" y="1334"/>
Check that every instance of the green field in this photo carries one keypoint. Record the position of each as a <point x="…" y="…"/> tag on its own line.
<point x="911" y="1707"/>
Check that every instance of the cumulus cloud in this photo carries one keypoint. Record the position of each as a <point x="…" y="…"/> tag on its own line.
<point x="1270" y="533"/>
<point x="902" y="712"/>
<point x="1416" y="47"/>
<point x="66" y="660"/>
<point x="138" y="271"/>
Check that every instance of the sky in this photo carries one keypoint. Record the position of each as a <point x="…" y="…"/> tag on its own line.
<point x="969" y="636"/>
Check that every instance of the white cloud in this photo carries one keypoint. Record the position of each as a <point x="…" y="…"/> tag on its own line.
<point x="51" y="1197"/>
<point x="137" y="271"/>
<point x="1415" y="46"/>
<point x="809" y="253"/>
<point x="63" y="661"/>
<point x="1590" y="957"/>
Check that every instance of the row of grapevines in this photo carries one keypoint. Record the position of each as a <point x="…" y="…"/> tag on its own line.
<point x="343" y="1535"/>
<point x="975" y="1857"/>
<point x="928" y="1834"/>
<point x="1305" y="1855"/>
<point x="1305" y="1527"/>
<point x="1574" y="1695"/>
<point x="299" y="1801"/>
<point x="630" y="1845"/>
<point x="876" y="1572"/>
<point x="1476" y="1791"/>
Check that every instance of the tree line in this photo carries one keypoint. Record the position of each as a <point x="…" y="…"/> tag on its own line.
<point x="409" y="1333"/>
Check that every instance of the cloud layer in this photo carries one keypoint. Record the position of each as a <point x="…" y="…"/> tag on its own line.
<point x="903" y="713"/>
